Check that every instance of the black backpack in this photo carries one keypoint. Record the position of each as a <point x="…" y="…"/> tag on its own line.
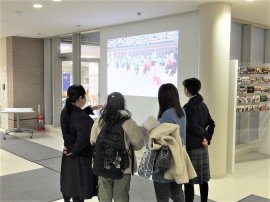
<point x="111" y="157"/>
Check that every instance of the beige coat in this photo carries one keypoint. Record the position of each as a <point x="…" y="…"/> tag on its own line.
<point x="133" y="136"/>
<point x="182" y="169"/>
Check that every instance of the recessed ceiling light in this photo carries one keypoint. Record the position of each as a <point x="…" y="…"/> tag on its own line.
<point x="37" y="5"/>
<point x="250" y="0"/>
<point x="56" y="0"/>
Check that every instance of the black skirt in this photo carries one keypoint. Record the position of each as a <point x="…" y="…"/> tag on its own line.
<point x="77" y="179"/>
<point x="200" y="161"/>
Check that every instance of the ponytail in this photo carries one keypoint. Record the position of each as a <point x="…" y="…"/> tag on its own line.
<point x="74" y="92"/>
<point x="68" y="110"/>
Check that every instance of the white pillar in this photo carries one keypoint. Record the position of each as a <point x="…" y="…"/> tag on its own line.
<point x="48" y="91"/>
<point x="56" y="81"/>
<point x="76" y="58"/>
<point x="215" y="27"/>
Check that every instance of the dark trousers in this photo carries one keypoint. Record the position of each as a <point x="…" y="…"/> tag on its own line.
<point x="165" y="191"/>
<point x="189" y="192"/>
<point x="74" y="199"/>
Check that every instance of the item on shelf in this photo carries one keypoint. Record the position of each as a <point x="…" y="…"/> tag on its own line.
<point x="265" y="70"/>
<point x="248" y="86"/>
<point x="258" y="70"/>
<point x="253" y="80"/>
<point x="250" y="89"/>
<point x="251" y="70"/>
<point x="242" y="90"/>
<point x="265" y="80"/>
<point x="265" y="89"/>
<point x="239" y="80"/>
<point x="263" y="108"/>
<point x="245" y="80"/>
<point x="257" y="98"/>
<point x="257" y="89"/>
<point x="263" y="98"/>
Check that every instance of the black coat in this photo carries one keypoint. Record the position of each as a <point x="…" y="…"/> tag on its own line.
<point x="198" y="119"/>
<point x="76" y="169"/>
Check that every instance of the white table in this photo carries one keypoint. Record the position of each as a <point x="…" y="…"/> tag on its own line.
<point x="17" y="111"/>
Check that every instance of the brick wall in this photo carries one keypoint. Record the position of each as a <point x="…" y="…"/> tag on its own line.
<point x="25" y="78"/>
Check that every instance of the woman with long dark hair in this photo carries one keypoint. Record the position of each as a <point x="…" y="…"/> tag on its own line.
<point x="170" y="111"/>
<point x="200" y="128"/>
<point x="76" y="178"/>
<point x="113" y="112"/>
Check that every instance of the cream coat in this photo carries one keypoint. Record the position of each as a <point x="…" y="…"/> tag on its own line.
<point x="182" y="169"/>
<point x="133" y="136"/>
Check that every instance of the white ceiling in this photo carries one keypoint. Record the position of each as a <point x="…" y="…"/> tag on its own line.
<point x="19" y="18"/>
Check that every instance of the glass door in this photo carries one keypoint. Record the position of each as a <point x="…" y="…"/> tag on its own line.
<point x="66" y="79"/>
<point x="89" y="80"/>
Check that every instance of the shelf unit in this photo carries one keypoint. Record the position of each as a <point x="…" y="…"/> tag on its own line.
<point x="252" y="114"/>
<point x="253" y="89"/>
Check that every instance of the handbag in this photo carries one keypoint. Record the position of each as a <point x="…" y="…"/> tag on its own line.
<point x="147" y="163"/>
<point x="163" y="159"/>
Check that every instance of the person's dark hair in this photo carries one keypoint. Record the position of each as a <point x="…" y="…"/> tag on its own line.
<point x="111" y="114"/>
<point x="74" y="92"/>
<point x="168" y="97"/>
<point x="193" y="85"/>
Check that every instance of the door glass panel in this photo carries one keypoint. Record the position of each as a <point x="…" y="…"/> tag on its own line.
<point x="89" y="79"/>
<point x="66" y="44"/>
<point x="90" y="51"/>
<point x="66" y="79"/>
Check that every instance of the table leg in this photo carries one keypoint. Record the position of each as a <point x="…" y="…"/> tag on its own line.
<point x="18" y="129"/>
<point x="18" y="119"/>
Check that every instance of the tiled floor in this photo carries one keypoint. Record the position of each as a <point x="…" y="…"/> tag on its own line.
<point x="251" y="177"/>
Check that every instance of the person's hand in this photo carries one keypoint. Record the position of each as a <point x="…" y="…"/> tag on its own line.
<point x="96" y="107"/>
<point x="205" y="143"/>
<point x="65" y="151"/>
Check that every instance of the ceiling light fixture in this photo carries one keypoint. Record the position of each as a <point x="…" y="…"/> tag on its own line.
<point x="37" y="6"/>
<point x="56" y="0"/>
<point x="250" y="0"/>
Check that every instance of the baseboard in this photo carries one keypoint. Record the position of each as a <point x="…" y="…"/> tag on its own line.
<point x="244" y="149"/>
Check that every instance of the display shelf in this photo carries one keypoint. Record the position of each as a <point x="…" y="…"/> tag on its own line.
<point x="253" y="89"/>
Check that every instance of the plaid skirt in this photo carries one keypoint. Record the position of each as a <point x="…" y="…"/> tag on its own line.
<point x="200" y="161"/>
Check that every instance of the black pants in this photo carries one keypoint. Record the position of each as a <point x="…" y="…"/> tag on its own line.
<point x="165" y="191"/>
<point x="74" y="199"/>
<point x="189" y="192"/>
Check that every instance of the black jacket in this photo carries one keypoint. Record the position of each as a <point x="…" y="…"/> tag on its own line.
<point x="77" y="178"/>
<point x="76" y="133"/>
<point x="198" y="119"/>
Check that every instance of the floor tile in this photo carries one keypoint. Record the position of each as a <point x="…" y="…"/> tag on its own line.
<point x="11" y="164"/>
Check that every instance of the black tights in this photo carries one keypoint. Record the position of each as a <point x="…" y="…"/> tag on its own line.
<point x="189" y="192"/>
<point x="74" y="199"/>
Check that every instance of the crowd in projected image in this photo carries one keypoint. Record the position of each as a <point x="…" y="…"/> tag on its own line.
<point x="138" y="65"/>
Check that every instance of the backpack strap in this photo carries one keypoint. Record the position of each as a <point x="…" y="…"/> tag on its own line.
<point x="132" y="158"/>
<point x="130" y="149"/>
<point x="123" y="119"/>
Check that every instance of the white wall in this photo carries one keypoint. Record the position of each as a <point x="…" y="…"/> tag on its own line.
<point x="187" y="24"/>
<point x="3" y="81"/>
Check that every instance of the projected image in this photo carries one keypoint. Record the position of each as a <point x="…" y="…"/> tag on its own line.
<point x="138" y="65"/>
